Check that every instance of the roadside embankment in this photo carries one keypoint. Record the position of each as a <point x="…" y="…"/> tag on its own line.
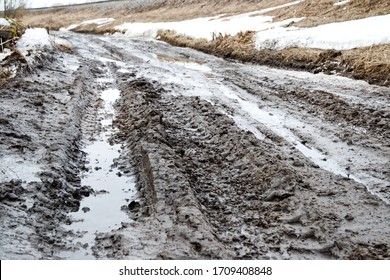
<point x="371" y="64"/>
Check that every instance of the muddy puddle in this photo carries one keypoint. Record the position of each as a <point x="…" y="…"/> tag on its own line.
<point x="185" y="62"/>
<point x="101" y="212"/>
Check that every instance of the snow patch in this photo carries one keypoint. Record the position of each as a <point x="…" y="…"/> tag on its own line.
<point x="206" y="27"/>
<point x="98" y="21"/>
<point x="34" y="39"/>
<point x="23" y="169"/>
<point x="4" y="54"/>
<point x="340" y="36"/>
<point x="4" y="22"/>
<point x="341" y="3"/>
<point x="62" y="42"/>
<point x="274" y="35"/>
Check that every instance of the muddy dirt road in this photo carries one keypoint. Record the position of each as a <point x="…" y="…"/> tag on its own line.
<point x="133" y="149"/>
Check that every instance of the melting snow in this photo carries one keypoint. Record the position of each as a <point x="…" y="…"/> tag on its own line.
<point x="4" y="54"/>
<point x="23" y="169"/>
<point x="206" y="27"/>
<point x="4" y="22"/>
<point x="340" y="36"/>
<point x="102" y="212"/>
<point x="98" y="21"/>
<point x="32" y="39"/>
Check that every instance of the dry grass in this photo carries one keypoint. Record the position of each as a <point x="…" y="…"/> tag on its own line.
<point x="318" y="12"/>
<point x="59" y="18"/>
<point x="372" y="62"/>
<point x="95" y="29"/>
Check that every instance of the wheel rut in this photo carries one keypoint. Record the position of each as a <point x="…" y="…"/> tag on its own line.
<point x="188" y="156"/>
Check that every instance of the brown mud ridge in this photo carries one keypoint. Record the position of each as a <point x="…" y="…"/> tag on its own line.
<point x="215" y="191"/>
<point x="362" y="64"/>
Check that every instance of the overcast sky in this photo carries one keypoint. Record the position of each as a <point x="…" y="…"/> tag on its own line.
<point x="47" y="3"/>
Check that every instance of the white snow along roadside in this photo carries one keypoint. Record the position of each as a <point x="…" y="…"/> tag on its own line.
<point x="206" y="27"/>
<point x="340" y="36"/>
<point x="34" y="41"/>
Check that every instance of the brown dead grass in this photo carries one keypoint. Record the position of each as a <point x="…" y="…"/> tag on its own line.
<point x="318" y="12"/>
<point x="59" y="18"/>
<point x="95" y="29"/>
<point x="371" y="64"/>
<point x="175" y="10"/>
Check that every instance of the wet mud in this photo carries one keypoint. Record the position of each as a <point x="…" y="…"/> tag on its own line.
<point x="221" y="154"/>
<point x="199" y="169"/>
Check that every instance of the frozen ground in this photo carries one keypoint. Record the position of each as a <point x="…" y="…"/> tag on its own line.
<point x="230" y="160"/>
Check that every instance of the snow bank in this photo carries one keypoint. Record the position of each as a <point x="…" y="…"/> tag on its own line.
<point x="98" y="21"/>
<point x="205" y="27"/>
<point x="34" y="39"/>
<point x="62" y="42"/>
<point x="341" y="3"/>
<point x="340" y="36"/>
<point x="4" y="54"/>
<point x="4" y="22"/>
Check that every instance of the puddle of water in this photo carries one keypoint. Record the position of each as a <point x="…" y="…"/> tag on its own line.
<point x="195" y="66"/>
<point x="185" y="62"/>
<point x="102" y="212"/>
